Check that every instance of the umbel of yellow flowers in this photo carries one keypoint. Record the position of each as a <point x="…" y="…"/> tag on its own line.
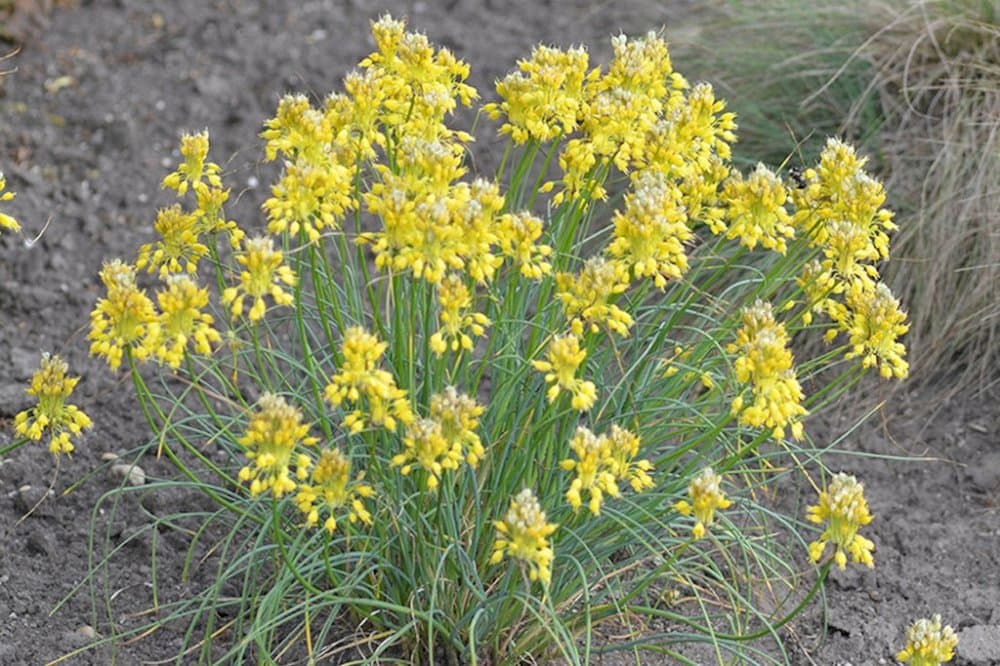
<point x="51" y="387"/>
<point x="928" y="643"/>
<point x="844" y="508"/>
<point x="706" y="497"/>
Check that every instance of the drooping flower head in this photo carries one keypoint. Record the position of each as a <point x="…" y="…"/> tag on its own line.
<point x="649" y="235"/>
<point x="518" y="236"/>
<point x="310" y="196"/>
<point x="842" y="506"/>
<point x="52" y="387"/>
<point x="541" y="101"/>
<point x="194" y="171"/>
<point x="274" y="432"/>
<point x="182" y="320"/>
<point x="706" y="497"/>
<point x="457" y="322"/>
<point x="264" y="274"/>
<point x="524" y="534"/>
<point x="928" y="643"/>
<point x="766" y="364"/>
<point x="593" y="474"/>
<point x="587" y="297"/>
<point x="757" y="212"/>
<point x="125" y="318"/>
<point x="875" y="322"/>
<point x="360" y="380"/>
<point x="564" y="357"/>
<point x="459" y="415"/>
<point x="331" y="489"/>
<point x="179" y="248"/>
<point x="427" y="447"/>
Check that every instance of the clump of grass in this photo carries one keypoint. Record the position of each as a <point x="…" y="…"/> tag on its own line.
<point x="914" y="83"/>
<point x="486" y="419"/>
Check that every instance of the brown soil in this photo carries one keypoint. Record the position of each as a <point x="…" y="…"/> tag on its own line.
<point x="92" y="117"/>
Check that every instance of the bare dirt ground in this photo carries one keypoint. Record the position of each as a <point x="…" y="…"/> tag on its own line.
<point x="91" y="119"/>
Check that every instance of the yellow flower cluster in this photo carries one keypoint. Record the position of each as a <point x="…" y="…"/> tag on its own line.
<point x="194" y="171"/>
<point x="443" y="440"/>
<point x="541" y="102"/>
<point x="601" y="463"/>
<point x="756" y="210"/>
<point x="459" y="415"/>
<point x="706" y="497"/>
<point x="456" y="319"/>
<point x="263" y="275"/>
<point x="360" y="378"/>
<point x="765" y="362"/>
<point x="841" y="209"/>
<point x="649" y="235"/>
<point x="844" y="508"/>
<point x="273" y="433"/>
<point x="564" y="358"/>
<point x="587" y="297"/>
<point x="518" y="235"/>
<point x="52" y="387"/>
<point x="928" y="643"/>
<point x="874" y="321"/>
<point x="6" y="221"/>
<point x="524" y="534"/>
<point x="331" y="488"/>
<point x="125" y="318"/>
<point x="310" y="197"/>
<point x="182" y="320"/>
<point x="179" y="248"/>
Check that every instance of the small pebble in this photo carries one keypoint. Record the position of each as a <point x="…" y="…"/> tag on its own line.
<point x="135" y="475"/>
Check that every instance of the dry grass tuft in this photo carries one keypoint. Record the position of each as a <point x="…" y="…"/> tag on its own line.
<point x="917" y="85"/>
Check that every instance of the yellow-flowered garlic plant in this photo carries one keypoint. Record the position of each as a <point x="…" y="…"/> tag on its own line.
<point x="399" y="341"/>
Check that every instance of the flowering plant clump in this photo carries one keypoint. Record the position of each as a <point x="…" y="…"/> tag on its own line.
<point x="403" y="383"/>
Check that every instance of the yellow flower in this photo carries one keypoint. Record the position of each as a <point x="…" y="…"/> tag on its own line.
<point x="182" y="321"/>
<point x="524" y="535"/>
<point x="587" y="297"/>
<point x="649" y="235"/>
<point x="592" y="473"/>
<point x="359" y="377"/>
<point x="179" y="248"/>
<point x="518" y="235"/>
<point x="455" y="302"/>
<point x="6" y="221"/>
<point x="297" y="130"/>
<point x="765" y="362"/>
<point x="426" y="446"/>
<point x="211" y="216"/>
<point x="542" y="100"/>
<point x="564" y="358"/>
<point x="273" y="433"/>
<point x="757" y="211"/>
<point x="194" y="170"/>
<point x="459" y="415"/>
<point x="264" y="274"/>
<point x="844" y="508"/>
<point x="622" y="448"/>
<point x="421" y="84"/>
<point x="125" y="318"/>
<point x="52" y="387"/>
<point x="928" y="643"/>
<point x="874" y="323"/>
<point x="310" y="196"/>
<point x="332" y="488"/>
<point x="706" y="497"/>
